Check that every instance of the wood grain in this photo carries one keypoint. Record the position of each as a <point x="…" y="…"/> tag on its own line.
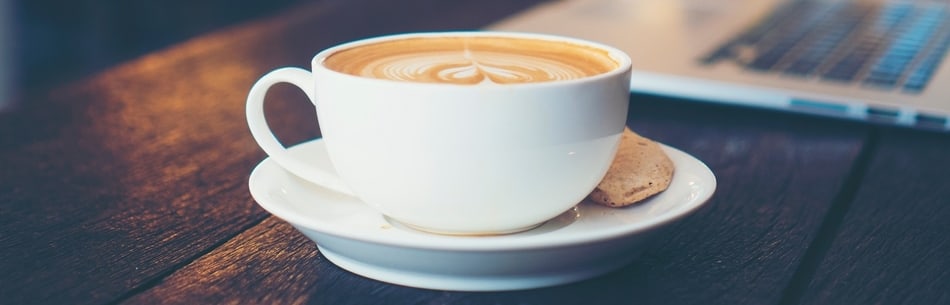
<point x="740" y="249"/>
<point x="130" y="187"/>
<point x="892" y="245"/>
<point x="269" y="264"/>
<point x="115" y="181"/>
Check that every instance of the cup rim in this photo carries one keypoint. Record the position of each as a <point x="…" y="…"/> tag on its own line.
<point x="624" y="63"/>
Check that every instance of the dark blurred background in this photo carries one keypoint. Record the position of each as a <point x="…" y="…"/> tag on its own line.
<point x="54" y="41"/>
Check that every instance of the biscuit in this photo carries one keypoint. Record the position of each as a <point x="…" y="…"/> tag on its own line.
<point x="640" y="169"/>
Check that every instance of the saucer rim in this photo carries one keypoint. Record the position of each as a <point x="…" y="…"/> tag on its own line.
<point x="509" y="242"/>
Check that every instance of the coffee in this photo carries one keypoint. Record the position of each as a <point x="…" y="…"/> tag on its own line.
<point x="472" y="60"/>
<point x="433" y="153"/>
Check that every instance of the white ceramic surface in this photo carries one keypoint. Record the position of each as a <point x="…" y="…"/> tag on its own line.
<point x="466" y="159"/>
<point x="584" y="242"/>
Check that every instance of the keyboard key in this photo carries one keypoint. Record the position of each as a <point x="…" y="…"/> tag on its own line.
<point x="883" y="27"/>
<point x="908" y="44"/>
<point x="883" y="45"/>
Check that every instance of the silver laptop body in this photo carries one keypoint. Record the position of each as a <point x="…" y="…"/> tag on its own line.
<point x="755" y="52"/>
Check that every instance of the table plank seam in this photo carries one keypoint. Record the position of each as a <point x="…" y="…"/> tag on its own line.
<point x="160" y="277"/>
<point x="828" y="230"/>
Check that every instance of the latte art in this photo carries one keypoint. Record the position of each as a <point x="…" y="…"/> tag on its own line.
<point x="470" y="68"/>
<point x="472" y="60"/>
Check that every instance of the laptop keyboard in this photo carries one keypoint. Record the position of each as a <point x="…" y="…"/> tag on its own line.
<point x="894" y="45"/>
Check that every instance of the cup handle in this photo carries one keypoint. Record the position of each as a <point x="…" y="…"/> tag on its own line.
<point x="268" y="142"/>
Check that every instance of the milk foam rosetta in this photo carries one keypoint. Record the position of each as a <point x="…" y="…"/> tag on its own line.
<point x="472" y="60"/>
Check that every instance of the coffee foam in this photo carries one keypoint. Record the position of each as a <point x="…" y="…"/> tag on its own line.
<point x="472" y="60"/>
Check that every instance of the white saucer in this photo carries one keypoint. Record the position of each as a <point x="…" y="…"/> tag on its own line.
<point x="584" y="242"/>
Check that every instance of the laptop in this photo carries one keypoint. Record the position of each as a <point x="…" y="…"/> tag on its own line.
<point x="878" y="61"/>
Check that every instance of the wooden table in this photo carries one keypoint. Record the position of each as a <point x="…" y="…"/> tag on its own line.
<point x="130" y="187"/>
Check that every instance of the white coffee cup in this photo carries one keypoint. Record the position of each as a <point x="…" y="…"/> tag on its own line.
<point x="485" y="158"/>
